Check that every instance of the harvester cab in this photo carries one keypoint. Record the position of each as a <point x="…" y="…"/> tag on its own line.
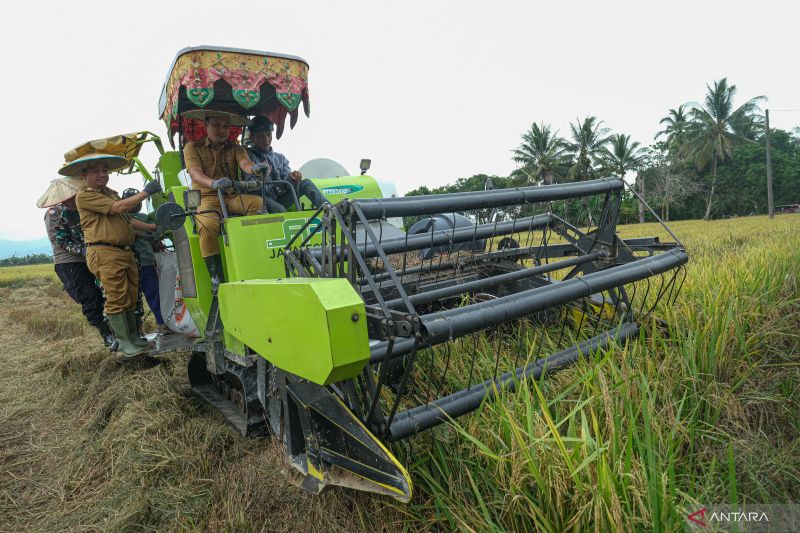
<point x="339" y="333"/>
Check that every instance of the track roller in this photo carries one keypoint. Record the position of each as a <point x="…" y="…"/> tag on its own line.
<point x="233" y="393"/>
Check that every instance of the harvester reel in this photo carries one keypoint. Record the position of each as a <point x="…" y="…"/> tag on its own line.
<point x="547" y="266"/>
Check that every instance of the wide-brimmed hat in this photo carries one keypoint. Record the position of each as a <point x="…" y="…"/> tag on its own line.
<point x="74" y="168"/>
<point x="59" y="191"/>
<point x="205" y="114"/>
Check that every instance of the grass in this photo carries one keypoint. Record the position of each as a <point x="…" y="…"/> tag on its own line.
<point x="19" y="275"/>
<point x="633" y="440"/>
<point x="91" y="441"/>
<point x="638" y="438"/>
<point x="48" y="327"/>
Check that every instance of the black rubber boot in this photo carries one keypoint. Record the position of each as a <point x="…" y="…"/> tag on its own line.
<point x="108" y="336"/>
<point x="215" y="272"/>
<point x="214" y="266"/>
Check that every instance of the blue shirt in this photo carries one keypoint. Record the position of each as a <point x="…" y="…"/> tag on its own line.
<point x="278" y="162"/>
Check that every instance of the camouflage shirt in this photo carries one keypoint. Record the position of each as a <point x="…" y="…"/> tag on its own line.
<point x="65" y="234"/>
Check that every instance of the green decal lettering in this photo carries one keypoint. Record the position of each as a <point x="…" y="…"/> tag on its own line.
<point x="291" y="227"/>
<point x="341" y="189"/>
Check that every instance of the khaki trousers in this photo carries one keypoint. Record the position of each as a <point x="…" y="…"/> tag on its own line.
<point x="117" y="271"/>
<point x="208" y="224"/>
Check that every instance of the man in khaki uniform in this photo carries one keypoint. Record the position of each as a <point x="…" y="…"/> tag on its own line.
<point x="214" y="165"/>
<point x="108" y="232"/>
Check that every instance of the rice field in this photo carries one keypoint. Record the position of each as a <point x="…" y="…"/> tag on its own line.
<point x="19" y="275"/>
<point x="704" y="412"/>
<point x="644" y="435"/>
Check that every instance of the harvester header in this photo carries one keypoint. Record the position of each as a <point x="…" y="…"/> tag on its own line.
<point x="568" y="289"/>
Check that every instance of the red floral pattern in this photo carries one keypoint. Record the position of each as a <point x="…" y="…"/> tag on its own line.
<point x="198" y="70"/>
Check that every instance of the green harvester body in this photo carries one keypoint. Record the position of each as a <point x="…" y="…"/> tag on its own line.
<point x="304" y="326"/>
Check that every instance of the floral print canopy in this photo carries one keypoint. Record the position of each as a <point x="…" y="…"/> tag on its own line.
<point x="246" y="82"/>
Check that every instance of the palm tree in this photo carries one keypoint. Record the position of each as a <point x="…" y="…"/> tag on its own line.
<point x="676" y="123"/>
<point x="540" y="156"/>
<point x="587" y="140"/>
<point x="796" y="135"/>
<point x="622" y="157"/>
<point x="716" y="128"/>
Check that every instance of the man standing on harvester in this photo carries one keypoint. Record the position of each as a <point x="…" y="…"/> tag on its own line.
<point x="108" y="232"/>
<point x="214" y="165"/>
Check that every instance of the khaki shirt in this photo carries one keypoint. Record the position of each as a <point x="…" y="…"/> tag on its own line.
<point x="217" y="163"/>
<point x="97" y="223"/>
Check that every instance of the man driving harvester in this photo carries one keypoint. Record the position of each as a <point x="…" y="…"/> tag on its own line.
<point x="214" y="165"/>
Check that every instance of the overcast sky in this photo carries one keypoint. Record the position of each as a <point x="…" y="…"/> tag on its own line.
<point x="430" y="91"/>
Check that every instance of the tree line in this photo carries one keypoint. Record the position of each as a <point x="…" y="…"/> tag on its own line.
<point x="708" y="160"/>
<point x="30" y="259"/>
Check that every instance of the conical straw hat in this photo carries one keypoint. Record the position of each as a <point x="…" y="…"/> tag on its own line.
<point x="60" y="190"/>
<point x="73" y="168"/>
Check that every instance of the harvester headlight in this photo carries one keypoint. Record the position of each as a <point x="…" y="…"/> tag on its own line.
<point x="364" y="165"/>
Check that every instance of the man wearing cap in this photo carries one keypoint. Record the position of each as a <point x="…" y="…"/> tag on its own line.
<point x="279" y="197"/>
<point x="69" y="253"/>
<point x="214" y="165"/>
<point x="108" y="231"/>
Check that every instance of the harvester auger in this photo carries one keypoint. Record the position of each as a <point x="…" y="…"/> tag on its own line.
<point x="338" y="333"/>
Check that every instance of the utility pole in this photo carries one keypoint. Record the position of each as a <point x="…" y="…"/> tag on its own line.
<point x="770" y="202"/>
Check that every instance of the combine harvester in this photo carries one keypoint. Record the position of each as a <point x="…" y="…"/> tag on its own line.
<point x="338" y="333"/>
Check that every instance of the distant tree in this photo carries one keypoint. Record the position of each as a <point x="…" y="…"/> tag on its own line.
<point x="677" y="121"/>
<point x="420" y="191"/>
<point x="716" y="128"/>
<point x="669" y="185"/>
<point x="621" y="156"/>
<point x="796" y="135"/>
<point x="30" y="259"/>
<point x="540" y="156"/>
<point x="741" y="180"/>
<point x="587" y="140"/>
<point x="476" y="182"/>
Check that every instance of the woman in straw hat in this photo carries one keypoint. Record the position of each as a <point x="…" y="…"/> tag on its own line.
<point x="69" y="252"/>
<point x="108" y="231"/>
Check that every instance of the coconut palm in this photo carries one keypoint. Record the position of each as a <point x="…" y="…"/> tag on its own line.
<point x="587" y="140"/>
<point x="622" y="156"/>
<point x="796" y="135"/>
<point x="676" y="123"/>
<point x="540" y="156"/>
<point x="716" y="128"/>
